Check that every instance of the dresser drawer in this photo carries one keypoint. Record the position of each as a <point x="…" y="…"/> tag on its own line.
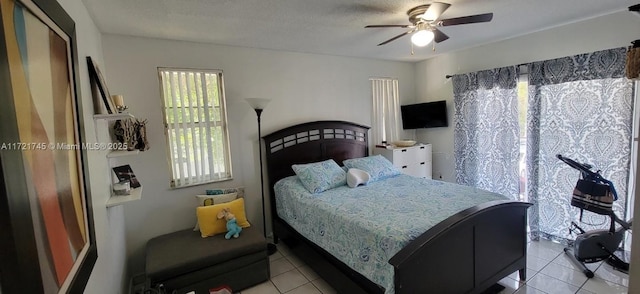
<point x="404" y="156"/>
<point x="414" y="161"/>
<point x="422" y="153"/>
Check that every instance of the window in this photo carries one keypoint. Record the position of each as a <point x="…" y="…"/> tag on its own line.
<point x="386" y="109"/>
<point x="195" y="123"/>
<point x="523" y="96"/>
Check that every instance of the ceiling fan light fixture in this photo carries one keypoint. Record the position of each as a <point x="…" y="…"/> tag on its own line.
<point x="429" y="17"/>
<point x="422" y="38"/>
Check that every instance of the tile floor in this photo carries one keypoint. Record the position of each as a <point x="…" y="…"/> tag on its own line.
<point x="548" y="271"/>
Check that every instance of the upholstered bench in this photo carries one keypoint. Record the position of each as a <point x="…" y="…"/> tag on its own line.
<point x="184" y="261"/>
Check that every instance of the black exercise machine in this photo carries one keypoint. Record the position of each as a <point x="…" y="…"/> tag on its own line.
<point x="596" y="194"/>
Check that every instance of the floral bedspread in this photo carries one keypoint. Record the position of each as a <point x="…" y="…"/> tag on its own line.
<point x="365" y="226"/>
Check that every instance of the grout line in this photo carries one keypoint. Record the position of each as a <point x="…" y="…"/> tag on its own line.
<point x="583" y="284"/>
<point x="314" y="285"/>
<point x="301" y="287"/>
<point x="280" y="274"/>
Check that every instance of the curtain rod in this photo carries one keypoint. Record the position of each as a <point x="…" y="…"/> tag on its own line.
<point x="635" y="44"/>
<point x="518" y="65"/>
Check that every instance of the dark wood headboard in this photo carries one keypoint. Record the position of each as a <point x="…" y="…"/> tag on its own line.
<point x="312" y="142"/>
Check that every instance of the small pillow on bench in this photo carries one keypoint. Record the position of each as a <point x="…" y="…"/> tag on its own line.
<point x="217" y="196"/>
<point x="208" y="220"/>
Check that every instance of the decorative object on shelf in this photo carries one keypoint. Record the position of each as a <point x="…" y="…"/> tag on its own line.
<point x="404" y="143"/>
<point x="258" y="104"/>
<point x="134" y="194"/>
<point x="124" y="131"/>
<point x="95" y="76"/>
<point x="141" y="142"/>
<point x="122" y="188"/>
<point x="47" y="215"/>
<point x="118" y="101"/>
<point x="125" y="173"/>
<point x="133" y="134"/>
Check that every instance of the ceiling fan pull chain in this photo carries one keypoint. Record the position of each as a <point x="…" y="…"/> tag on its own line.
<point x="411" y="47"/>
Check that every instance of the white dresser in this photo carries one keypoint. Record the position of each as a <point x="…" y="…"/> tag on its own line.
<point x="414" y="160"/>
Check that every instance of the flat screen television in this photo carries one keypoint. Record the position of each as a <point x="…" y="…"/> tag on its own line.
<point x="424" y="115"/>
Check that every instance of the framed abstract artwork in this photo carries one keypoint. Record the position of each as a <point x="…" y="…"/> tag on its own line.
<point x="47" y="236"/>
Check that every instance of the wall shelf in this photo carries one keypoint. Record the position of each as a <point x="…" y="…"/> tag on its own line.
<point x="114" y="200"/>
<point x="113" y="116"/>
<point x="135" y="194"/>
<point x="122" y="153"/>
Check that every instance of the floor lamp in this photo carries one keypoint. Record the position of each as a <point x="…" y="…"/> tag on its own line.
<point x="258" y="104"/>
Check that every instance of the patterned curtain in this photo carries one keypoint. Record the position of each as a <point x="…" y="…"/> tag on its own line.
<point x="486" y="130"/>
<point x="580" y="107"/>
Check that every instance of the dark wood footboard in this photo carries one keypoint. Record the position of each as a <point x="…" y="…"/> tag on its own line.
<point x="466" y="253"/>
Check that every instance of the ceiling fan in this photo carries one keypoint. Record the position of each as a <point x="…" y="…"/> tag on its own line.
<point x="425" y="21"/>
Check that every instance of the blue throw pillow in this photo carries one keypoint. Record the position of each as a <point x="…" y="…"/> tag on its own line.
<point x="320" y="176"/>
<point x="239" y="190"/>
<point x="377" y="166"/>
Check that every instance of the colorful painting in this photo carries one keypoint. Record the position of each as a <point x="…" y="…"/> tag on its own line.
<point x="41" y="145"/>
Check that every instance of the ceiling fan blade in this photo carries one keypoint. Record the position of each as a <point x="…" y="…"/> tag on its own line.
<point x="388" y="26"/>
<point x="435" y="10"/>
<point x="439" y="36"/>
<point x="394" y="38"/>
<point x="466" y="19"/>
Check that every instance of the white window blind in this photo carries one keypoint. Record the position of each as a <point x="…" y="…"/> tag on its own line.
<point x="195" y="122"/>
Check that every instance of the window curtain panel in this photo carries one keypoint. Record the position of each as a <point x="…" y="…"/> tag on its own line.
<point x="580" y="107"/>
<point x="486" y="133"/>
<point x="386" y="110"/>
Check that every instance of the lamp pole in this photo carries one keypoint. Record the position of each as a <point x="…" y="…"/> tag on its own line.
<point x="264" y="218"/>
<point x="258" y="105"/>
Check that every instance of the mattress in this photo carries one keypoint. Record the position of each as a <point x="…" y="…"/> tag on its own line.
<point x="365" y="226"/>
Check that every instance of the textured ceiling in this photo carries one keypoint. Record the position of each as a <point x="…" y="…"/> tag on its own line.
<point x="334" y="27"/>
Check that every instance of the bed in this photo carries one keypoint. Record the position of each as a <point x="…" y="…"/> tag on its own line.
<point x="466" y="252"/>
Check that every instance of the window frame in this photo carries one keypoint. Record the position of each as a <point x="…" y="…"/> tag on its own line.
<point x="175" y="183"/>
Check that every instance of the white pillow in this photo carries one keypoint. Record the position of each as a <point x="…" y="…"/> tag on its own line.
<point x="206" y="200"/>
<point x="357" y="177"/>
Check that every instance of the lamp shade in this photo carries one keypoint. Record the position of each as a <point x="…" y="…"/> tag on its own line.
<point x="422" y="37"/>
<point x="258" y="103"/>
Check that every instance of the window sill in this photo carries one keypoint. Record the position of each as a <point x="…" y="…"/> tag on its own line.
<point x="203" y="183"/>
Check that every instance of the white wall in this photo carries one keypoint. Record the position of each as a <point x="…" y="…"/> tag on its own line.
<point x="304" y="87"/>
<point x="109" y="273"/>
<point x="610" y="31"/>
